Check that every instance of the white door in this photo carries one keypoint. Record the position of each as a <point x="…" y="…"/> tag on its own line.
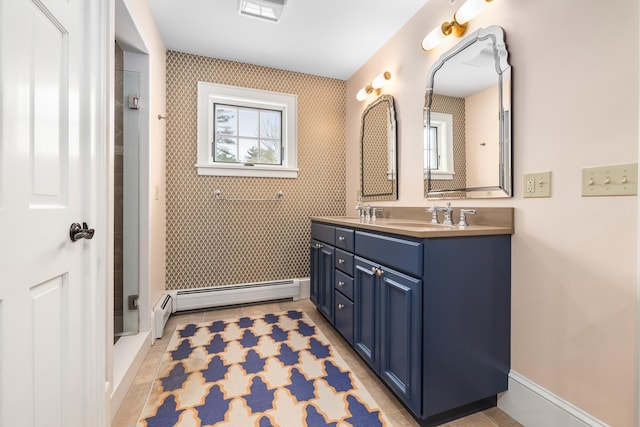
<point x="47" y="354"/>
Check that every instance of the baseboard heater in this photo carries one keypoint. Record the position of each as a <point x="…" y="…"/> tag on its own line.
<point x="202" y="298"/>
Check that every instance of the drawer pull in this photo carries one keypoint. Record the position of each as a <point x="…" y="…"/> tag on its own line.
<point x="341" y="238"/>
<point x="340" y="261"/>
<point x="340" y="306"/>
<point x="340" y="284"/>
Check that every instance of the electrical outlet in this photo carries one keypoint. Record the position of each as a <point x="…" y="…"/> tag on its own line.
<point x="537" y="184"/>
<point x="531" y="185"/>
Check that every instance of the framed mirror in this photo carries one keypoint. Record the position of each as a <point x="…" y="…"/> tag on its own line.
<point x="378" y="161"/>
<point x="467" y="120"/>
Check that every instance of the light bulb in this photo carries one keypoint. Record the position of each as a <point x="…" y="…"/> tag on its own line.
<point x="470" y="10"/>
<point x="433" y="39"/>
<point x="363" y="93"/>
<point x="380" y="80"/>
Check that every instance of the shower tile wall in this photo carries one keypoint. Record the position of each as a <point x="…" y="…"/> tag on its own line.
<point x="212" y="243"/>
<point x="118" y="190"/>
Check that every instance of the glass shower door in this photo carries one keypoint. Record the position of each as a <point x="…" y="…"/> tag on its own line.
<point x="126" y="203"/>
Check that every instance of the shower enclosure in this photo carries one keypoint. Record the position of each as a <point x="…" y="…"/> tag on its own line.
<point x="126" y="196"/>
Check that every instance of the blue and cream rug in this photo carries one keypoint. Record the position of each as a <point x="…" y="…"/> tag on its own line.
<point x="276" y="370"/>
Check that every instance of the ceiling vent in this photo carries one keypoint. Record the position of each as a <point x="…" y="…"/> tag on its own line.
<point x="271" y="10"/>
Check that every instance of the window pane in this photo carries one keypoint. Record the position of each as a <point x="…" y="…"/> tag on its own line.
<point x="247" y="135"/>
<point x="249" y="151"/>
<point x="249" y="123"/>
<point x="226" y="150"/>
<point x="270" y="151"/>
<point x="433" y="148"/>
<point x="270" y="124"/>
<point x="226" y="120"/>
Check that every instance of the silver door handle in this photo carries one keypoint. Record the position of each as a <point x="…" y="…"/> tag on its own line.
<point x="77" y="232"/>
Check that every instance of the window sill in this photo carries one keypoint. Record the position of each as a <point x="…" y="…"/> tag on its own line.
<point x="248" y="171"/>
<point x="442" y="176"/>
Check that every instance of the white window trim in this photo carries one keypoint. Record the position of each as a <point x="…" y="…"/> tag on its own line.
<point x="444" y="123"/>
<point x="211" y="93"/>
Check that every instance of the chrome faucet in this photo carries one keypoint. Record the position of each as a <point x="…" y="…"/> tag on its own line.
<point x="448" y="211"/>
<point x="364" y="211"/>
<point x="434" y="213"/>
<point x="463" y="216"/>
<point x="373" y="213"/>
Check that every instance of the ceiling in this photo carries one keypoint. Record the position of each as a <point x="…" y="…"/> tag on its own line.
<point x="330" y="38"/>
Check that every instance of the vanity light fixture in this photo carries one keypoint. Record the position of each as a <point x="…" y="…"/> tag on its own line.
<point x="374" y="87"/>
<point x="469" y="10"/>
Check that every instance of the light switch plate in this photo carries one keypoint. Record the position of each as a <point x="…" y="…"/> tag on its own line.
<point x="613" y="180"/>
<point x="537" y="184"/>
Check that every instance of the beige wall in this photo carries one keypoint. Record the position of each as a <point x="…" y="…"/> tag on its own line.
<point x="482" y="136"/>
<point x="211" y="243"/>
<point x="575" y="104"/>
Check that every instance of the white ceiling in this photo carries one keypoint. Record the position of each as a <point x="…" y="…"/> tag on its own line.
<point x="331" y="38"/>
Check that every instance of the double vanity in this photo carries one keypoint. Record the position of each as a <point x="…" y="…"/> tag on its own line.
<point x="427" y="306"/>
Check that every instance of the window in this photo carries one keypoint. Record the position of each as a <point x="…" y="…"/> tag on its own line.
<point x="438" y="152"/>
<point x="246" y="132"/>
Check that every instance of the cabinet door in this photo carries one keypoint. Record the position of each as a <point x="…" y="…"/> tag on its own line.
<point x="344" y="316"/>
<point x="325" y="281"/>
<point x="314" y="262"/>
<point x="401" y="335"/>
<point x="365" y="311"/>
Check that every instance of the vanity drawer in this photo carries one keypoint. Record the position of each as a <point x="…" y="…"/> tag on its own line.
<point x="343" y="310"/>
<point x="344" y="239"/>
<point x="344" y="261"/>
<point x="323" y="232"/>
<point x="401" y="254"/>
<point x="344" y="284"/>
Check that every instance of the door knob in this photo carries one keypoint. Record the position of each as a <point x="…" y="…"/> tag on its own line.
<point x="77" y="232"/>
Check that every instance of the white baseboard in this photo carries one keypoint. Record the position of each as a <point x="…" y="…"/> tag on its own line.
<point x="534" y="406"/>
<point x="128" y="354"/>
<point x="305" y="288"/>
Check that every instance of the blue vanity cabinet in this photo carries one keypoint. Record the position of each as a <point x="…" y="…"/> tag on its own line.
<point x="314" y="273"/>
<point x="466" y="321"/>
<point x="365" y="312"/>
<point x="387" y="327"/>
<point x="325" y="280"/>
<point x="343" y="293"/>
<point x="401" y="335"/>
<point x="430" y="316"/>
<point x="322" y="268"/>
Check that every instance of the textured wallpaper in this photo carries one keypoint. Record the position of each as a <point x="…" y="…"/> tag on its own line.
<point x="455" y="107"/>
<point x="213" y="243"/>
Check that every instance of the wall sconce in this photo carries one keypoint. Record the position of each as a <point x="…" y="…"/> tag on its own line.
<point x="374" y="87"/>
<point x="458" y="26"/>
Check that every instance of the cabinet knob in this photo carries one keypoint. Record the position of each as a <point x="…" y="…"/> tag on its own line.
<point x="340" y="284"/>
<point x="341" y="238"/>
<point x="318" y="245"/>
<point x="373" y="270"/>
<point x="379" y="272"/>
<point x="340" y="261"/>
<point x="340" y="306"/>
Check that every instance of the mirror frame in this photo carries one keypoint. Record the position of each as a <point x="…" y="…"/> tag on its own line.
<point x="392" y="148"/>
<point x="503" y="70"/>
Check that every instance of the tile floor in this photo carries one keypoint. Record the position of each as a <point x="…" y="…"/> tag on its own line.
<point x="135" y="399"/>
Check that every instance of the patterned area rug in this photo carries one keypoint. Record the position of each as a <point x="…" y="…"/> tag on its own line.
<point x="276" y="370"/>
